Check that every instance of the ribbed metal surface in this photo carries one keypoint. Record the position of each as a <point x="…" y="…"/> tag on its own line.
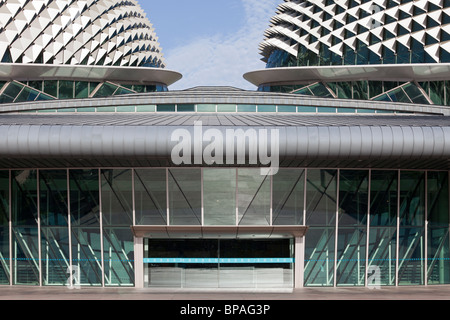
<point x="111" y="140"/>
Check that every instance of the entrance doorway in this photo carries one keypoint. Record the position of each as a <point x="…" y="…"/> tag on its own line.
<point x="219" y="263"/>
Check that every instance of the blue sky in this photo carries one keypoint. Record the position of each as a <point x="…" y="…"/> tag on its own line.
<point x="211" y="42"/>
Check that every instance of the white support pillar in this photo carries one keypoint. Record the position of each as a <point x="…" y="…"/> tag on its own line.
<point x="139" y="262"/>
<point x="299" y="262"/>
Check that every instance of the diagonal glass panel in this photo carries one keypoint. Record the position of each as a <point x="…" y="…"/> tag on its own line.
<point x="150" y="197"/>
<point x="118" y="254"/>
<point x="253" y="197"/>
<point x="117" y="197"/>
<point x="319" y="256"/>
<point x="185" y="196"/>
<point x="412" y="231"/>
<point x="288" y="197"/>
<point x="321" y="195"/>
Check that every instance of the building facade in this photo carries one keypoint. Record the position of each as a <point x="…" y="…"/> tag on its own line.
<point x="335" y="172"/>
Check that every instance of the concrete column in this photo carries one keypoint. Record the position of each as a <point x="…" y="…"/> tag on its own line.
<point x="299" y="262"/>
<point x="139" y="262"/>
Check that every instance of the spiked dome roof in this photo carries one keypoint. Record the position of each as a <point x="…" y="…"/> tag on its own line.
<point x="379" y="28"/>
<point x="94" y="33"/>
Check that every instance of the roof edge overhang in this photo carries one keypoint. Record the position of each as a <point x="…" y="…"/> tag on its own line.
<point x="106" y="143"/>
<point x="122" y="75"/>
<point x="387" y="72"/>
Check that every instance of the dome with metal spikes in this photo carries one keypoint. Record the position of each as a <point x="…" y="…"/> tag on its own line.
<point x="78" y="32"/>
<point x="358" y="32"/>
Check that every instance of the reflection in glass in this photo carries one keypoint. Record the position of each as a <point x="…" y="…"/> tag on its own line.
<point x="319" y="256"/>
<point x="288" y="197"/>
<point x="253" y="197"/>
<point x="117" y="198"/>
<point x="438" y="228"/>
<point x="150" y="194"/>
<point x="4" y="227"/>
<point x="24" y="211"/>
<point x="185" y="198"/>
<point x="118" y="255"/>
<point x="219" y="196"/>
<point x="412" y="231"/>
<point x="321" y="195"/>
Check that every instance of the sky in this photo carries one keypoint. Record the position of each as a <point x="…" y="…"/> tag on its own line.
<point x="211" y="42"/>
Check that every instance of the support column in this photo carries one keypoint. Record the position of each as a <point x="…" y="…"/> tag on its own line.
<point x="139" y="262"/>
<point x="299" y="262"/>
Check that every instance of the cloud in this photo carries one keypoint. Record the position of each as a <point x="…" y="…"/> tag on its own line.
<point x="222" y="59"/>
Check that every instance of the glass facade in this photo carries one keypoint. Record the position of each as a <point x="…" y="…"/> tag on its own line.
<point x="15" y="91"/>
<point x="393" y="220"/>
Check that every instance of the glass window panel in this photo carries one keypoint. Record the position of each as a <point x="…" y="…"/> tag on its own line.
<point x="346" y="110"/>
<point x="53" y="197"/>
<point x="375" y="88"/>
<point x="206" y="108"/>
<point x="253" y="197"/>
<point x="51" y="88"/>
<point x="383" y="198"/>
<point x="326" y="110"/>
<point x="13" y="89"/>
<point x="118" y="254"/>
<point x="382" y="254"/>
<point x="122" y="91"/>
<point x="360" y="90"/>
<point x="25" y="254"/>
<point x="438" y="198"/>
<point x="117" y="197"/>
<point x="288" y="197"/>
<point x="411" y="256"/>
<point x="267" y="108"/>
<point x="84" y="198"/>
<point x="415" y="94"/>
<point x="86" y="255"/>
<point x="351" y="256"/>
<point x="106" y="109"/>
<point x="185" y="192"/>
<point x="87" y="110"/>
<point x="27" y="94"/>
<point x="321" y="195"/>
<point x="4" y="227"/>
<point x="438" y="255"/>
<point x="399" y="95"/>
<point x="219" y="194"/>
<point x="353" y="197"/>
<point x="55" y="255"/>
<point x="106" y="90"/>
<point x="24" y="195"/>
<point x="126" y="109"/>
<point x="307" y="109"/>
<point x="319" y="256"/>
<point x="81" y="89"/>
<point x="226" y="108"/>
<point x="437" y="89"/>
<point x="186" y="108"/>
<point x="320" y="90"/>
<point x="65" y="89"/>
<point x="246" y="108"/>
<point x="412" y="198"/>
<point x="438" y="228"/>
<point x="149" y="108"/>
<point x="150" y="194"/>
<point x="287" y="109"/>
<point x="165" y="108"/>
